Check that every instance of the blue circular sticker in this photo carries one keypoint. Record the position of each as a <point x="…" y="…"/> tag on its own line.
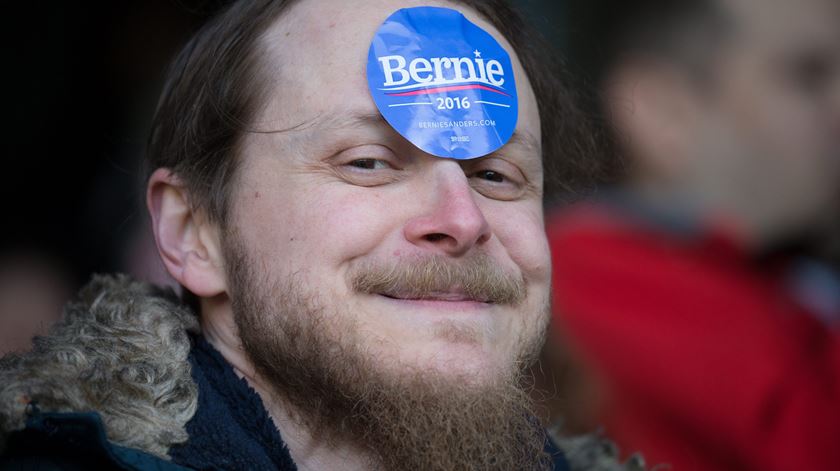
<point x="442" y="82"/>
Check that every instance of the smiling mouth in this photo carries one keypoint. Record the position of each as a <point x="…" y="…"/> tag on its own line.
<point x="451" y="297"/>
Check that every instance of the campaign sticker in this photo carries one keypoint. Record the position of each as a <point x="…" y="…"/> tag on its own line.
<point x="442" y="82"/>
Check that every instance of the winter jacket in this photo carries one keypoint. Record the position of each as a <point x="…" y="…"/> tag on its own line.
<point x="125" y="381"/>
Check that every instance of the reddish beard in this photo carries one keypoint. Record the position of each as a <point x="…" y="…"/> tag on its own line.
<point x="414" y="419"/>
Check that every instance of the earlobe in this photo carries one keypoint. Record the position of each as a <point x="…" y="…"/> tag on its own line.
<point x="187" y="242"/>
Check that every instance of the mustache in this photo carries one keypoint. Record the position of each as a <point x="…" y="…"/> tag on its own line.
<point x="477" y="277"/>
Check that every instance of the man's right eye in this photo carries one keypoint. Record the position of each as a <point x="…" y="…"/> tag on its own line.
<point x="369" y="164"/>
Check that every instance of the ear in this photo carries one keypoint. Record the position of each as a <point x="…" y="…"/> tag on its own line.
<point x="188" y="244"/>
<point x="652" y="108"/>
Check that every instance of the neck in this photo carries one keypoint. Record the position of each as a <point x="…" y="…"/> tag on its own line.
<point x="309" y="452"/>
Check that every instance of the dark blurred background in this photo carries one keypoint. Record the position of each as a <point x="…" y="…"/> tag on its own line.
<point x="80" y="87"/>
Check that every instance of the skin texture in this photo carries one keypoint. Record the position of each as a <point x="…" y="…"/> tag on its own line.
<point x="758" y="143"/>
<point x="326" y="189"/>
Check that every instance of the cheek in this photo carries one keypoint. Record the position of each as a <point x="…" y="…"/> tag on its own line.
<point x="795" y="143"/>
<point x="313" y="227"/>
<point x="793" y="124"/>
<point x="784" y="120"/>
<point x="521" y="231"/>
<point x="786" y="149"/>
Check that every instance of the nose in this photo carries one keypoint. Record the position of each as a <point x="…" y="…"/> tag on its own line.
<point x="452" y="222"/>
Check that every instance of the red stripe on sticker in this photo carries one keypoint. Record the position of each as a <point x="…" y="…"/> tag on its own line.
<point x="452" y="88"/>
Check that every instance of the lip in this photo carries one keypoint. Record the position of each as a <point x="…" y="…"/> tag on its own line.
<point x="445" y="301"/>
<point x="436" y="296"/>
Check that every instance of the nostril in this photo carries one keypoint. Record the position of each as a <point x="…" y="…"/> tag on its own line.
<point x="435" y="237"/>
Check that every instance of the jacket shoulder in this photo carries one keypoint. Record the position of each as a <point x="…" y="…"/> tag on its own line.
<point x="73" y="441"/>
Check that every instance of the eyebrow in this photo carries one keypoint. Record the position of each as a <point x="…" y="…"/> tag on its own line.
<point x="331" y="121"/>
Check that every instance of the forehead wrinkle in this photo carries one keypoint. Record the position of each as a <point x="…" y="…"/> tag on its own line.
<point x="337" y="121"/>
<point x="304" y="130"/>
<point x="326" y="122"/>
<point x="334" y="122"/>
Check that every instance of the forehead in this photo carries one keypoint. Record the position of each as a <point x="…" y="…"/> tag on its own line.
<point x="316" y="56"/>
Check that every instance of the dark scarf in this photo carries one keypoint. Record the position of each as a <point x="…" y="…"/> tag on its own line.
<point x="231" y="429"/>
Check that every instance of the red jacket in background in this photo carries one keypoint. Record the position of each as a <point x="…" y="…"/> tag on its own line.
<point x="708" y="361"/>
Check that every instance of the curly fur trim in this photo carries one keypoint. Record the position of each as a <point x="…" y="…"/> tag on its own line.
<point x="594" y="452"/>
<point x="121" y="350"/>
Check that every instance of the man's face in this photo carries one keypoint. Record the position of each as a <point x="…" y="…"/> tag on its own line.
<point x="771" y="132"/>
<point x="342" y="207"/>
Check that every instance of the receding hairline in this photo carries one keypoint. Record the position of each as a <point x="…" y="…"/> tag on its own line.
<point x="268" y="65"/>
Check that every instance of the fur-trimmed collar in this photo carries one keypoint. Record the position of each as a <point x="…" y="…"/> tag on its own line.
<point x="121" y="350"/>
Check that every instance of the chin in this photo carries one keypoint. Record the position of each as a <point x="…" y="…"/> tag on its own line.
<point x="461" y="363"/>
<point x="453" y="350"/>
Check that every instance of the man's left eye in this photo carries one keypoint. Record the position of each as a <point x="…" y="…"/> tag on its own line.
<point x="491" y="175"/>
<point x="496" y="185"/>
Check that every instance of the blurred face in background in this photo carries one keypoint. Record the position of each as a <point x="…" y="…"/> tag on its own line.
<point x="771" y="128"/>
<point x="755" y="138"/>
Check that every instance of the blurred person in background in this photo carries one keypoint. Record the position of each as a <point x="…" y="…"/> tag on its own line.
<point x="698" y="293"/>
